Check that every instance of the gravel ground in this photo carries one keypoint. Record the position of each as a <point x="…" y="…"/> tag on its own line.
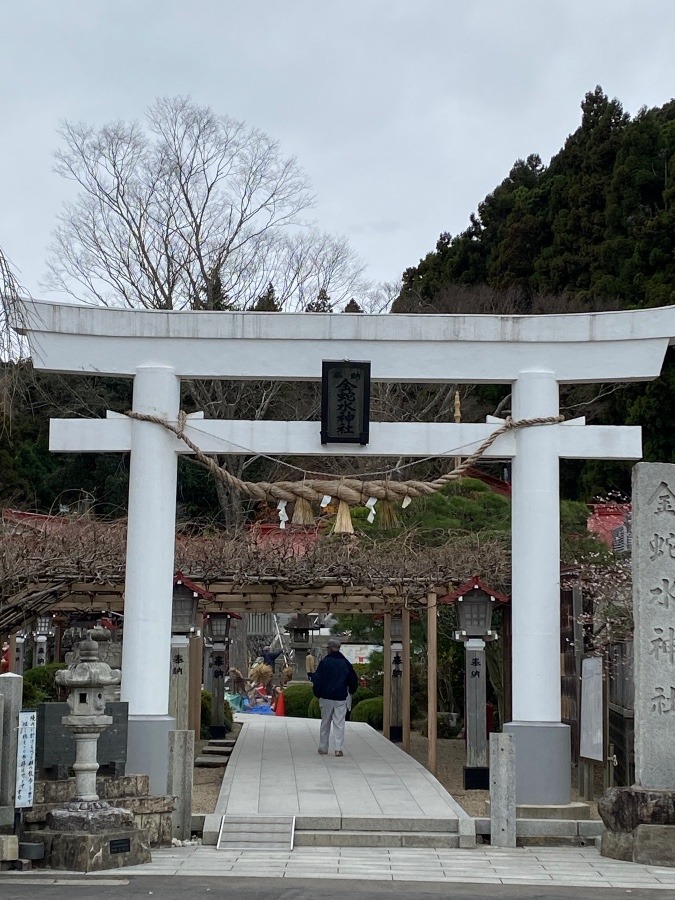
<point x="450" y="773"/>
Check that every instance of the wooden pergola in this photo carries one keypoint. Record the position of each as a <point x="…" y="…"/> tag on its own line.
<point x="263" y="595"/>
<point x="75" y="567"/>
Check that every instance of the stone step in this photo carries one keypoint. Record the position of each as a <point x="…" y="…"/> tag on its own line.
<point x="222" y="742"/>
<point x="256" y="833"/>
<point x="210" y="762"/>
<point x="445" y="824"/>
<point x="259" y="820"/>
<point x="247" y="828"/>
<point x="432" y="839"/>
<point x="216" y="751"/>
<point x="396" y="823"/>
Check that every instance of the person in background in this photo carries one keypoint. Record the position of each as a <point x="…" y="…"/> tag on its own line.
<point x="310" y="665"/>
<point x="270" y="657"/>
<point x="333" y="683"/>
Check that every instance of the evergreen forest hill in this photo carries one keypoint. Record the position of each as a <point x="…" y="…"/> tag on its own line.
<point x="594" y="230"/>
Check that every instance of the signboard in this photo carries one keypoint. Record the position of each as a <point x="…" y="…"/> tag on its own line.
<point x="591" y="726"/>
<point x="25" y="760"/>
<point x="345" y="402"/>
<point x="120" y="845"/>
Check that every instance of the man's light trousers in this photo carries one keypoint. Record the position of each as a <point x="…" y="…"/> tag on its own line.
<point x="332" y="712"/>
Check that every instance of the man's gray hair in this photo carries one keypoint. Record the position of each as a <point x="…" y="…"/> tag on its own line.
<point x="334" y="643"/>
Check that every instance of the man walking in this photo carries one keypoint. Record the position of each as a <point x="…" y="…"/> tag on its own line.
<point x="333" y="681"/>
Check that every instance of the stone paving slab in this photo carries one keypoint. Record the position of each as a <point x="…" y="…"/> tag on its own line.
<point x="275" y="769"/>
<point x="557" y="867"/>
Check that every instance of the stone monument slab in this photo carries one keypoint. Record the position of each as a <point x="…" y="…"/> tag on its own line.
<point x="653" y="557"/>
<point x="640" y="820"/>
<point x="11" y="688"/>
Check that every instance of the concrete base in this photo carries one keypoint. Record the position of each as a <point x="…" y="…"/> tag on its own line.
<point x="575" y="811"/>
<point x="82" y="852"/>
<point x="543" y="763"/>
<point x="148" y="749"/>
<point x="9" y="847"/>
<point x="6" y="819"/>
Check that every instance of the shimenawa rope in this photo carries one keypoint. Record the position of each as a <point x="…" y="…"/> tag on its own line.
<point x="352" y="491"/>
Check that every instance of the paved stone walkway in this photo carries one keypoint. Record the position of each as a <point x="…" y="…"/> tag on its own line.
<point x="551" y="866"/>
<point x="276" y="770"/>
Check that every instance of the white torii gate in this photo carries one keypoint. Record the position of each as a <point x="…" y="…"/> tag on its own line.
<point x="533" y="354"/>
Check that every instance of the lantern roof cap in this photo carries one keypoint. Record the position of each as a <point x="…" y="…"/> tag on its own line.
<point x="473" y="584"/>
<point x="179" y="578"/>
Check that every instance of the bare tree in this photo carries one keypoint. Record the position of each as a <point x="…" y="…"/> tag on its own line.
<point x="194" y="210"/>
<point x="10" y="310"/>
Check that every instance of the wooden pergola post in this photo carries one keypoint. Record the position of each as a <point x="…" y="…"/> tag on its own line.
<point x="432" y="682"/>
<point x="196" y="655"/>
<point x="386" y="684"/>
<point x="405" y="615"/>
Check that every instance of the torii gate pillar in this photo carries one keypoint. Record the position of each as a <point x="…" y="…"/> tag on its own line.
<point x="151" y="533"/>
<point x="542" y="741"/>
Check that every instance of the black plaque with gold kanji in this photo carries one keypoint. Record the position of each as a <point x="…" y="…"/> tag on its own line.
<point x="345" y="402"/>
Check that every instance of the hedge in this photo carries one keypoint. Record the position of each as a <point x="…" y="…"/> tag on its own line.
<point x="297" y="698"/>
<point x="370" y="711"/>
<point x="39" y="685"/>
<point x="207" y="701"/>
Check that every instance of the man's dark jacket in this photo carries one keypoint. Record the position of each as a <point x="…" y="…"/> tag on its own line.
<point x="269" y="658"/>
<point x="334" y="677"/>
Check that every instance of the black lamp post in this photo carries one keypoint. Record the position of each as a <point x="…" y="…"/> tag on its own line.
<point x="218" y="627"/>
<point x="396" y="663"/>
<point x="475" y="603"/>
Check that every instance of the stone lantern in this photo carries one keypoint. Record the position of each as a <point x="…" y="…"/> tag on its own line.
<point x="299" y="628"/>
<point x="89" y="834"/>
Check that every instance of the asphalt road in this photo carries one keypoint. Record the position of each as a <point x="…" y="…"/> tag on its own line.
<point x="33" y="887"/>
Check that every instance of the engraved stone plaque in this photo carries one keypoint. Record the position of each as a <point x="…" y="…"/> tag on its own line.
<point x="653" y="560"/>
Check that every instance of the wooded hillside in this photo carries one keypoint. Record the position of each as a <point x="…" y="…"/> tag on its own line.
<point x="593" y="230"/>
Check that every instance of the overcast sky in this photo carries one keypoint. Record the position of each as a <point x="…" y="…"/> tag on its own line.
<point x="403" y="113"/>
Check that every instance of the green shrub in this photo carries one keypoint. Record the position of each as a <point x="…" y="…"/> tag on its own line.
<point x="314" y="710"/>
<point x="363" y="693"/>
<point x="444" y="729"/>
<point x="39" y="685"/>
<point x="207" y="715"/>
<point x="297" y="698"/>
<point x="370" y="711"/>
